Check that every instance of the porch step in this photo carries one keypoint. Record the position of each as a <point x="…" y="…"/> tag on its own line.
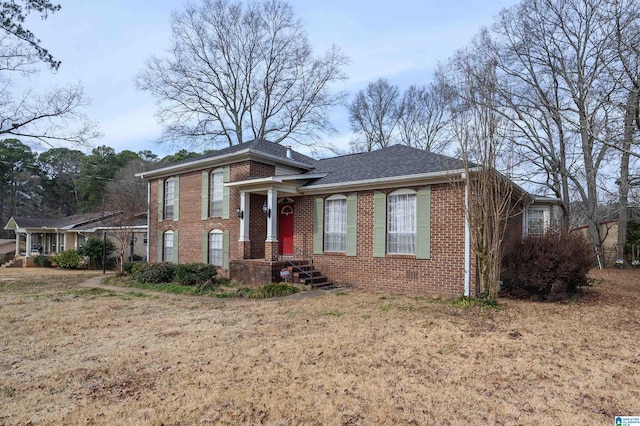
<point x="309" y="276"/>
<point x="8" y="264"/>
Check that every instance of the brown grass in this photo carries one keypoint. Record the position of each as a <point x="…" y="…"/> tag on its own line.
<point x="74" y="356"/>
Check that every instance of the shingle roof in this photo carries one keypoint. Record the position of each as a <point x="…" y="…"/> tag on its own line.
<point x="393" y="161"/>
<point x="259" y="145"/>
<point x="74" y="220"/>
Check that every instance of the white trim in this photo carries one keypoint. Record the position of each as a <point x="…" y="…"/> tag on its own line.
<point x="336" y="197"/>
<point x="219" y="160"/>
<point x="402" y="191"/>
<point x="417" y="179"/>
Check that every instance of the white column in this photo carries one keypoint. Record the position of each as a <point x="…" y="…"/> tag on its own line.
<point x="272" y="222"/>
<point x="17" y="244"/>
<point x="244" y="222"/>
<point x="28" y="247"/>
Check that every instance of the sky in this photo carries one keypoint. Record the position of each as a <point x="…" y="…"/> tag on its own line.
<point x="103" y="44"/>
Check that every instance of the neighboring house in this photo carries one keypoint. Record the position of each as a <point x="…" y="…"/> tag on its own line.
<point x="36" y="236"/>
<point x="392" y="219"/>
<point x="9" y="246"/>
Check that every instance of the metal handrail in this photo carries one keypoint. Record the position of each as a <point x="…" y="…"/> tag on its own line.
<point x="304" y="255"/>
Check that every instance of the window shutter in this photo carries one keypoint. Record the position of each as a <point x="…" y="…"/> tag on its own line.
<point x="176" y="242"/>
<point x="352" y="225"/>
<point x="176" y="199"/>
<point x="159" y="246"/>
<point x="379" y="224"/>
<point x="225" y="250"/>
<point x="225" y="192"/>
<point x="160" y="199"/>
<point x="204" y="207"/>
<point x="205" y="247"/>
<point x="423" y="230"/>
<point x="318" y="225"/>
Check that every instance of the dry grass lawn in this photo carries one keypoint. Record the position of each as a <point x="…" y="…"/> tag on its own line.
<point x="75" y="356"/>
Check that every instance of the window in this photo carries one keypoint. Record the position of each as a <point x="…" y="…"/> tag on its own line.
<point x="216" y="238"/>
<point x="169" y="198"/>
<point x="537" y="221"/>
<point x="217" y="194"/>
<point x="335" y="223"/>
<point x="167" y="253"/>
<point x="81" y="240"/>
<point x="401" y="222"/>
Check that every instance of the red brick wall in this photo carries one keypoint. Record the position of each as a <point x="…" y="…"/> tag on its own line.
<point x="190" y="225"/>
<point x="443" y="274"/>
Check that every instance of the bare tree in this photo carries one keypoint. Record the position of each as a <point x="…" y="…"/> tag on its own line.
<point x="374" y="114"/>
<point x="480" y="132"/>
<point x="48" y="117"/>
<point x="624" y="17"/>
<point x="423" y="118"/>
<point x="127" y="195"/>
<point x="236" y="72"/>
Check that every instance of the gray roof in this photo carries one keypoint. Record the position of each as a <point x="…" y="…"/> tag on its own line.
<point x="259" y="145"/>
<point x="73" y="221"/>
<point x="393" y="161"/>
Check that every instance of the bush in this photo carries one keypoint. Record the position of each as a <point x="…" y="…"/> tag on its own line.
<point x="127" y="267"/>
<point x="195" y="273"/>
<point x="93" y="248"/>
<point x="548" y="267"/>
<point x="8" y="256"/>
<point x="154" y="273"/>
<point x="42" y="261"/>
<point x="68" y="259"/>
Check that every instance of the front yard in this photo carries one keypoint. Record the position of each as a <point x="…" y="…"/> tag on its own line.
<point x="80" y="356"/>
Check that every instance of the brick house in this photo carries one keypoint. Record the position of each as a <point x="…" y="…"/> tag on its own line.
<point x="392" y="219"/>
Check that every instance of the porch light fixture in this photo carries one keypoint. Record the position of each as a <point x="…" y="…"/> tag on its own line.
<point x="239" y="212"/>
<point x="266" y="210"/>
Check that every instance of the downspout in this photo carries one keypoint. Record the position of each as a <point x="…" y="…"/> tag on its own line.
<point x="467" y="239"/>
<point x="148" y="217"/>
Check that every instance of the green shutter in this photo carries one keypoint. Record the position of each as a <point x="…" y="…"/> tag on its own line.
<point x="225" y="192"/>
<point x="176" y="199"/>
<point x="423" y="231"/>
<point x="160" y="200"/>
<point x="379" y="224"/>
<point x="225" y="250"/>
<point x="318" y="225"/>
<point x="159" y="246"/>
<point x="204" y="207"/>
<point x="352" y="225"/>
<point x="205" y="247"/>
<point x="176" y="244"/>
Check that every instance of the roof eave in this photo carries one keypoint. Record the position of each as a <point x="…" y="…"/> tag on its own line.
<point x="245" y="154"/>
<point x="386" y="182"/>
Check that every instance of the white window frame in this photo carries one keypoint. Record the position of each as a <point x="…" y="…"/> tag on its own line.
<point x="543" y="222"/>
<point x="167" y="246"/>
<point x="216" y="193"/>
<point x="169" y="198"/>
<point x="216" y="247"/>
<point x="402" y="225"/>
<point x="335" y="224"/>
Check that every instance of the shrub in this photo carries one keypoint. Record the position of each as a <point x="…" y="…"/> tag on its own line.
<point x="42" y="261"/>
<point x="127" y="267"/>
<point x="154" y="273"/>
<point x="195" y="273"/>
<point x="548" y="267"/>
<point x="93" y="248"/>
<point x="68" y="259"/>
<point x="8" y="256"/>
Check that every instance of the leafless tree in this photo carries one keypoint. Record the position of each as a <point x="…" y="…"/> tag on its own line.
<point x="49" y="117"/>
<point x="127" y="195"/>
<point x="481" y="134"/>
<point x="374" y="114"/>
<point x="423" y="118"/>
<point x="235" y="72"/>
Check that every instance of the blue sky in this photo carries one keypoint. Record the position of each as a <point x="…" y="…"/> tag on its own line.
<point x="104" y="44"/>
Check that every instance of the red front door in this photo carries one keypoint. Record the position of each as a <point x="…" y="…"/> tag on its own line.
<point x="285" y="229"/>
